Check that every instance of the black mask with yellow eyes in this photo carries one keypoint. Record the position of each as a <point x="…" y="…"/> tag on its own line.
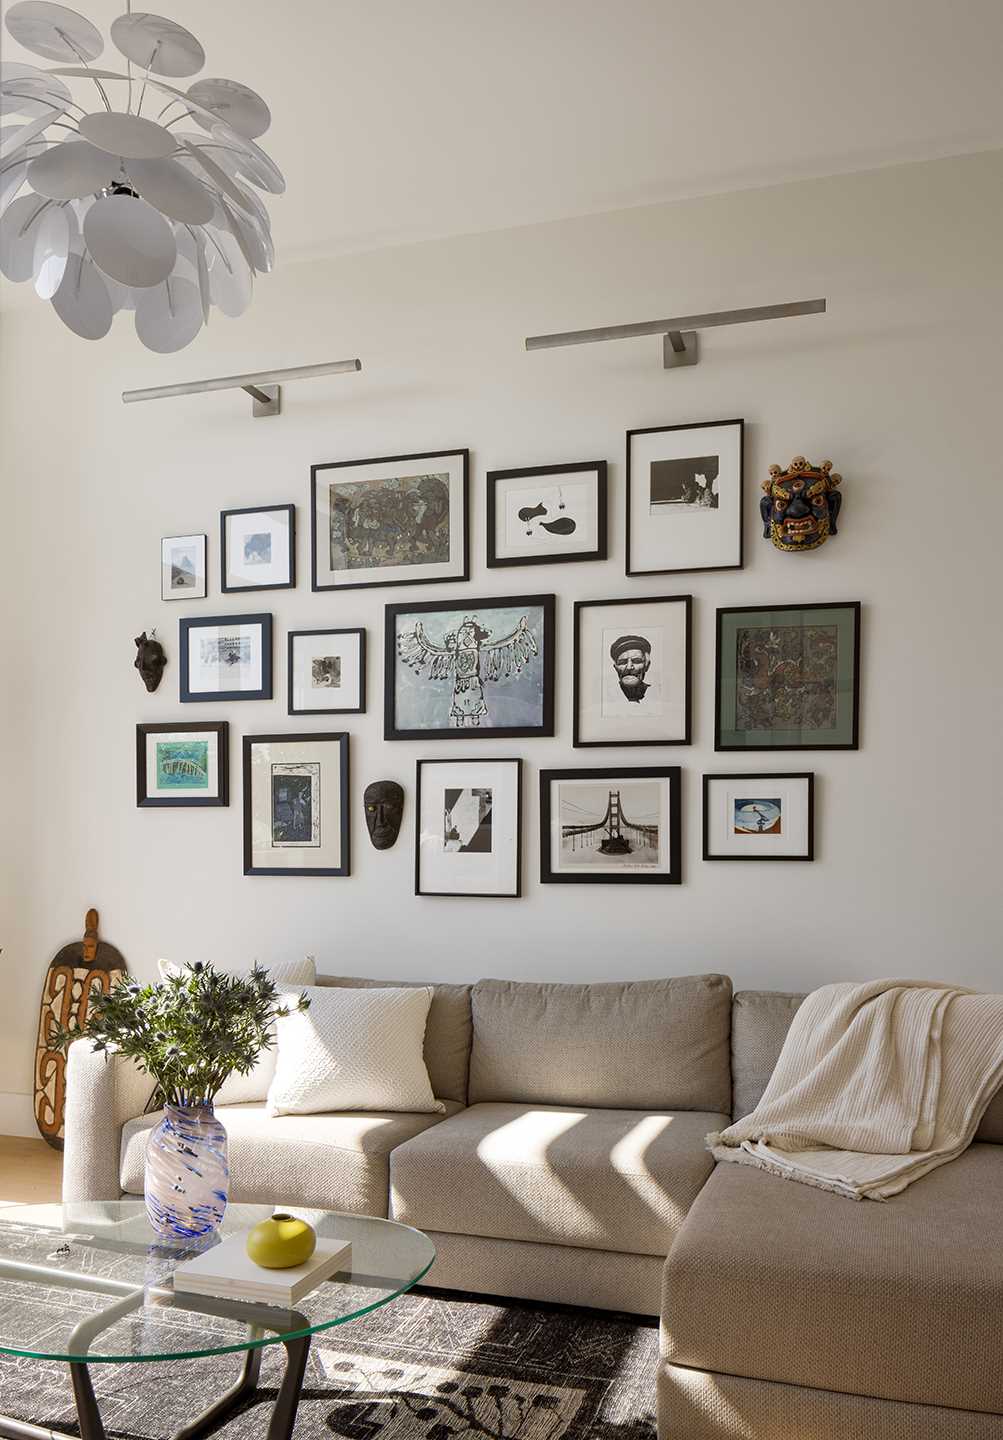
<point x="800" y="504"/>
<point x="384" y="805"/>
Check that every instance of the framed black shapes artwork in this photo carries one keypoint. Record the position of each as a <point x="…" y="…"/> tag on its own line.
<point x="468" y="831"/>
<point x="326" y="672"/>
<point x="296" y="805"/>
<point x="759" y="817"/>
<point x="546" y="514"/>
<point x="182" y="764"/>
<point x="225" y="657"/>
<point x="614" y="826"/>
<point x="788" y="677"/>
<point x="480" y="670"/>
<point x="183" y="567"/>
<point x="258" y="548"/>
<point x="632" y="671"/>
<point x="399" y="520"/>
<point x="685" y="491"/>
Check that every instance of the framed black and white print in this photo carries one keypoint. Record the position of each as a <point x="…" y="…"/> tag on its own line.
<point x="759" y="817"/>
<point x="788" y="677"/>
<point x="632" y="671"/>
<point x="226" y="657"/>
<point x="617" y="826"/>
<point x="296" y="805"/>
<point x="182" y="764"/>
<point x="258" y="548"/>
<point x="480" y="670"/>
<point x="468" y="832"/>
<point x="684" y="498"/>
<point x="327" y="672"/>
<point x="183" y="567"/>
<point x="546" y="514"/>
<point x="400" y="520"/>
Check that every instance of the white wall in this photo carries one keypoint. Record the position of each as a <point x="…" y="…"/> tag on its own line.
<point x="900" y="384"/>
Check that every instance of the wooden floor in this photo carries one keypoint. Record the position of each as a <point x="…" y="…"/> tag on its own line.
<point x="30" y="1171"/>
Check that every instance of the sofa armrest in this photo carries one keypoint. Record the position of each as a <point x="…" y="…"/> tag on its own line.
<point x="102" y="1093"/>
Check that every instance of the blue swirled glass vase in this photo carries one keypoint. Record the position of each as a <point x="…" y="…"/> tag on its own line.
<point x="187" y="1175"/>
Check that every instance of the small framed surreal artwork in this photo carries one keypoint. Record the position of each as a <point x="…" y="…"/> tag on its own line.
<point x="226" y="657"/>
<point x="632" y="671"/>
<point x="547" y="514"/>
<point x="296" y="805"/>
<point x="788" y="677"/>
<point x="326" y="672"/>
<point x="183" y="567"/>
<point x="468" y="834"/>
<point x="619" y="826"/>
<point x="182" y="764"/>
<point x="401" y="520"/>
<point x="684" y="498"/>
<point x="258" y="548"/>
<point x="759" y="817"/>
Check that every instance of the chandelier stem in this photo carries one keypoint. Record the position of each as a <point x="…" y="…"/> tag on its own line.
<point x="83" y="60"/>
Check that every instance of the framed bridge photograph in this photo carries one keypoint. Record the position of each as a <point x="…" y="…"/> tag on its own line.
<point x="618" y="826"/>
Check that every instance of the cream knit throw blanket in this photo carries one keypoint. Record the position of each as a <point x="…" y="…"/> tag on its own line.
<point x="876" y="1085"/>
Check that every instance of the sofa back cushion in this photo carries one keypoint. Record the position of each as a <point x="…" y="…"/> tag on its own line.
<point x="636" y="1045"/>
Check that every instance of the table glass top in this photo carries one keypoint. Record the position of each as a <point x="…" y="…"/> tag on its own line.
<point x="93" y="1281"/>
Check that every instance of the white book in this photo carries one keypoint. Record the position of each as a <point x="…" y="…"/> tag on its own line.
<point x="227" y="1271"/>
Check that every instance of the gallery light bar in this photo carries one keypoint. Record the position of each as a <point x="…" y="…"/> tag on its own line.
<point x="263" y="386"/>
<point x="680" y="345"/>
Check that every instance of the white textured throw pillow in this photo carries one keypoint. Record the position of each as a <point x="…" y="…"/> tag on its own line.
<point x="354" y="1050"/>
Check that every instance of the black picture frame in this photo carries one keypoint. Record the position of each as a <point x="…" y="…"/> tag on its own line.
<point x="295" y="635"/>
<point x="191" y="622"/>
<point x="671" y="773"/>
<point x="166" y="594"/>
<point x="635" y="600"/>
<point x="470" y="894"/>
<point x="391" y="730"/>
<point x="307" y="738"/>
<point x="146" y="801"/>
<point x="224" y="546"/>
<point x="495" y="477"/>
<point x="740" y="515"/>
<point x="759" y="776"/>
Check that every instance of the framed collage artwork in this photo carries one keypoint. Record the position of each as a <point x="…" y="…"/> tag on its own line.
<point x="468" y="832"/>
<point x="296" y="805"/>
<point x="632" y="671"/>
<point x="546" y="514"/>
<point x="226" y="657"/>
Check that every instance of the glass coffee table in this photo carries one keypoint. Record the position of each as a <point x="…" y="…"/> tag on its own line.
<point x="93" y="1284"/>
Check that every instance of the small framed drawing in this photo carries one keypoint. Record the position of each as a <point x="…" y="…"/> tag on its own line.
<point x="296" y="805"/>
<point x="182" y="764"/>
<point x="759" y="817"/>
<point x="468" y="835"/>
<point x="327" y="672"/>
<point x="258" y="548"/>
<point x="788" y="677"/>
<point x="476" y="673"/>
<point x="547" y="514"/>
<point x="611" y="827"/>
<point x="684" y="498"/>
<point x="632" y="671"/>
<point x="183" y="567"/>
<point x="226" y="657"/>
<point x="401" y="520"/>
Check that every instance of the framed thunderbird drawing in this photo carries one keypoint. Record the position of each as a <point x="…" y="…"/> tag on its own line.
<point x="182" y="764"/>
<point x="759" y="817"/>
<point x="296" y="805"/>
<point x="684" y="497"/>
<point x="226" y="657"/>
<point x="468" y="838"/>
<point x="326" y="672"/>
<point x="401" y="520"/>
<point x="258" y="548"/>
<point x="610" y="827"/>
<point x="546" y="514"/>
<point x="632" y="671"/>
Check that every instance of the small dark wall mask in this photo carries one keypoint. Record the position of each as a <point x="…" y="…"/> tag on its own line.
<point x="150" y="660"/>
<point x="384" y="806"/>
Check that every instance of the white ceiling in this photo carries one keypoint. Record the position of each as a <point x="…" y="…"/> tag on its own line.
<point x="402" y="120"/>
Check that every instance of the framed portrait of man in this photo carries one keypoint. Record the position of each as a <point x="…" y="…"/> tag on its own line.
<point x="632" y="671"/>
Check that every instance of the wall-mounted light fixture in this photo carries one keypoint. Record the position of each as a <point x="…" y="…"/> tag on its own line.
<point x="262" y="385"/>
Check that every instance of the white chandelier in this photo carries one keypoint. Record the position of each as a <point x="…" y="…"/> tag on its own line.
<point x="126" y="210"/>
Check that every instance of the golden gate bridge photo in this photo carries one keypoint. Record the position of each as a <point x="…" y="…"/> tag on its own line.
<point x="615" y="834"/>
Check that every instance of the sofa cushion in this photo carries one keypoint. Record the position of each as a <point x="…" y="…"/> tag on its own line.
<point x="641" y="1045"/>
<point x="775" y="1280"/>
<point x="604" y="1179"/>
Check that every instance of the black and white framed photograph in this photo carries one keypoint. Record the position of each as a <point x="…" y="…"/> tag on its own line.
<point x="400" y="520"/>
<point x="296" y="804"/>
<point x="258" y="548"/>
<point x="183" y="567"/>
<point x="326" y="672"/>
<point x="632" y="671"/>
<point x="616" y="826"/>
<point x="684" y="498"/>
<point x="546" y="514"/>
<point x="480" y="670"/>
<point x="759" y="817"/>
<point x="225" y="657"/>
<point x="468" y="832"/>
<point x="182" y="764"/>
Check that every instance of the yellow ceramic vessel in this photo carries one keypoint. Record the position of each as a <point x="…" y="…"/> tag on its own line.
<point x="281" y="1242"/>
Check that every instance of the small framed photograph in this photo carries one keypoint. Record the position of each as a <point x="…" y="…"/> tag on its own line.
<point x="327" y="672"/>
<point x="684" y="498"/>
<point x="546" y="514"/>
<point x="182" y="764"/>
<point x="296" y="805"/>
<point x="788" y="677"/>
<point x="619" y="826"/>
<point x="401" y="520"/>
<point x="258" y="548"/>
<point x="759" y="817"/>
<point x="632" y="671"/>
<point x="476" y="672"/>
<point x="468" y="835"/>
<point x="226" y="657"/>
<point x="183" y="567"/>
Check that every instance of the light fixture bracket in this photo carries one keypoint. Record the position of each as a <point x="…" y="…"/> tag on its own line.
<point x="680" y="347"/>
